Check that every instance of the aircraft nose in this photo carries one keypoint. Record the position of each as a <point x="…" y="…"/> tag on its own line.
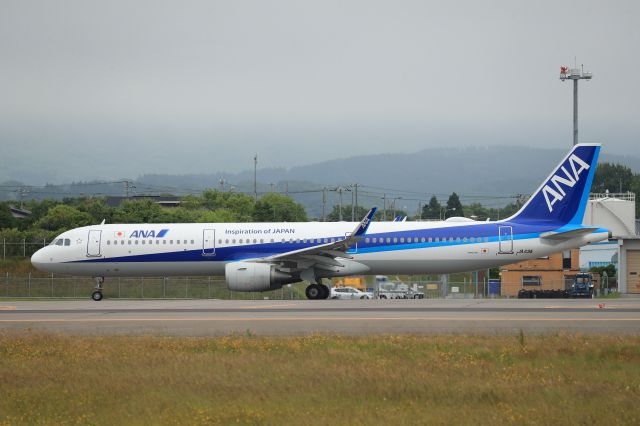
<point x="38" y="259"/>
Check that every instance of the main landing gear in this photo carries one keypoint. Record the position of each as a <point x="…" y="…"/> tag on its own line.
<point x="97" y="291"/>
<point x="317" y="292"/>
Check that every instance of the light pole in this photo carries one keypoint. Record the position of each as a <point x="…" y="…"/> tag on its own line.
<point x="574" y="74"/>
<point x="444" y="210"/>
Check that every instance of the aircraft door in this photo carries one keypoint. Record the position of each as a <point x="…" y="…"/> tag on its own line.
<point x="93" y="243"/>
<point x="209" y="242"/>
<point x="505" y="239"/>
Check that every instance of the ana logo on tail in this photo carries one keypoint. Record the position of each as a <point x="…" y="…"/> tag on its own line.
<point x="553" y="191"/>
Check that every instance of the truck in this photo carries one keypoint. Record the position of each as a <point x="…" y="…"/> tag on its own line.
<point x="386" y="289"/>
<point x="582" y="286"/>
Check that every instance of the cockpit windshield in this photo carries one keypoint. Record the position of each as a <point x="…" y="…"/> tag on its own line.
<point x="61" y="242"/>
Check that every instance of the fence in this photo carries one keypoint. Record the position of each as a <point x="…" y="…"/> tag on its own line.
<point x="21" y="248"/>
<point x="38" y="286"/>
<point x="51" y="286"/>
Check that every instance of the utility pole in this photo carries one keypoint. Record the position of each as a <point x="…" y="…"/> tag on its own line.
<point x="340" y="191"/>
<point x="222" y="182"/>
<point x="574" y="74"/>
<point x="22" y="192"/>
<point x="384" y="203"/>
<point x="255" y="177"/>
<point x="324" y="203"/>
<point x="356" y="185"/>
<point x="128" y="185"/>
<point x="353" y="206"/>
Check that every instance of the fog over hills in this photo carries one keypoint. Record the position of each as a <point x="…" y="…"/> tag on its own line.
<point x="492" y="176"/>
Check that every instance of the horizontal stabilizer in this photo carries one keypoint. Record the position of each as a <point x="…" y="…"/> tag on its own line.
<point x="565" y="235"/>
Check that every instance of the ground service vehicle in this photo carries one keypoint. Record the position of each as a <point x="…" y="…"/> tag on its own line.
<point x="582" y="286"/>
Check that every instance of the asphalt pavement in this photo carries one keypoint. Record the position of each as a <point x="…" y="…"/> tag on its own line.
<point x="298" y="317"/>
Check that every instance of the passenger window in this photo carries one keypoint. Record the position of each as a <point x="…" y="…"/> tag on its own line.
<point x="402" y="240"/>
<point x="219" y="241"/>
<point x="464" y="239"/>
<point x="415" y="240"/>
<point x="366" y="240"/>
<point x="144" y="241"/>
<point x="430" y="239"/>
<point x="472" y="239"/>
<point x="388" y="240"/>
<point x="226" y="241"/>
<point x="193" y="242"/>
<point x="108" y="242"/>
<point x="255" y="241"/>
<point x="129" y="242"/>
<point x="395" y="240"/>
<point x="157" y="241"/>
<point x="136" y="242"/>
<point x="457" y="239"/>
<point x="437" y="239"/>
<point x="240" y="241"/>
<point x="450" y="239"/>
<point x="185" y="241"/>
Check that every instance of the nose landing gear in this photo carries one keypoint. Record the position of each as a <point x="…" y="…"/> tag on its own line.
<point x="97" y="291"/>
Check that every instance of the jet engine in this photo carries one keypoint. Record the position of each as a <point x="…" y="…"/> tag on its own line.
<point x="250" y="276"/>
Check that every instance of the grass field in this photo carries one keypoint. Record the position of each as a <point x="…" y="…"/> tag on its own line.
<point x="55" y="379"/>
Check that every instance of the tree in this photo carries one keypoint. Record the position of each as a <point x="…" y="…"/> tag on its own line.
<point x="139" y="211"/>
<point x="6" y="218"/>
<point x="278" y="208"/>
<point x="610" y="269"/>
<point x="454" y="206"/>
<point x="432" y="210"/>
<point x="217" y="216"/>
<point x="62" y="218"/>
<point x="612" y="177"/>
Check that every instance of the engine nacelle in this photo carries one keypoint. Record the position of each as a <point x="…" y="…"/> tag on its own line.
<point x="250" y="276"/>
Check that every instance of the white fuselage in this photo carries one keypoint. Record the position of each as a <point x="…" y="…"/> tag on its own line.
<point x="205" y="249"/>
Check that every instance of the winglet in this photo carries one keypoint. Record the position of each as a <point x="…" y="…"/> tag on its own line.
<point x="362" y="227"/>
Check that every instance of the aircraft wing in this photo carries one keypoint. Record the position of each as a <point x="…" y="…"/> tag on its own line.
<point x="565" y="235"/>
<point x="326" y="253"/>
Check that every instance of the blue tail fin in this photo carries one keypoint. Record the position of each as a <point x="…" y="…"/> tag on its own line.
<point x="562" y="198"/>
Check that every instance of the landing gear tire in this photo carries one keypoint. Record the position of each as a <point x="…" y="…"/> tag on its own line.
<point x="313" y="292"/>
<point x="324" y="291"/>
<point x="97" y="292"/>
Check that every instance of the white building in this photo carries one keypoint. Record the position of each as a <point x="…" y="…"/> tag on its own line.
<point x="615" y="212"/>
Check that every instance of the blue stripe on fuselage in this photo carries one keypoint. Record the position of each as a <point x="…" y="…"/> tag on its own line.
<point x="252" y="251"/>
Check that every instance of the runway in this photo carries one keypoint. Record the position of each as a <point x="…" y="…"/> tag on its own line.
<point x="357" y="317"/>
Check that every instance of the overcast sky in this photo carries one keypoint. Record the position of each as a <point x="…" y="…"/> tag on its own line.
<point x="112" y="89"/>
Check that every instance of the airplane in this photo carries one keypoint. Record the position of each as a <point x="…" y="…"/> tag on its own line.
<point x="265" y="256"/>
